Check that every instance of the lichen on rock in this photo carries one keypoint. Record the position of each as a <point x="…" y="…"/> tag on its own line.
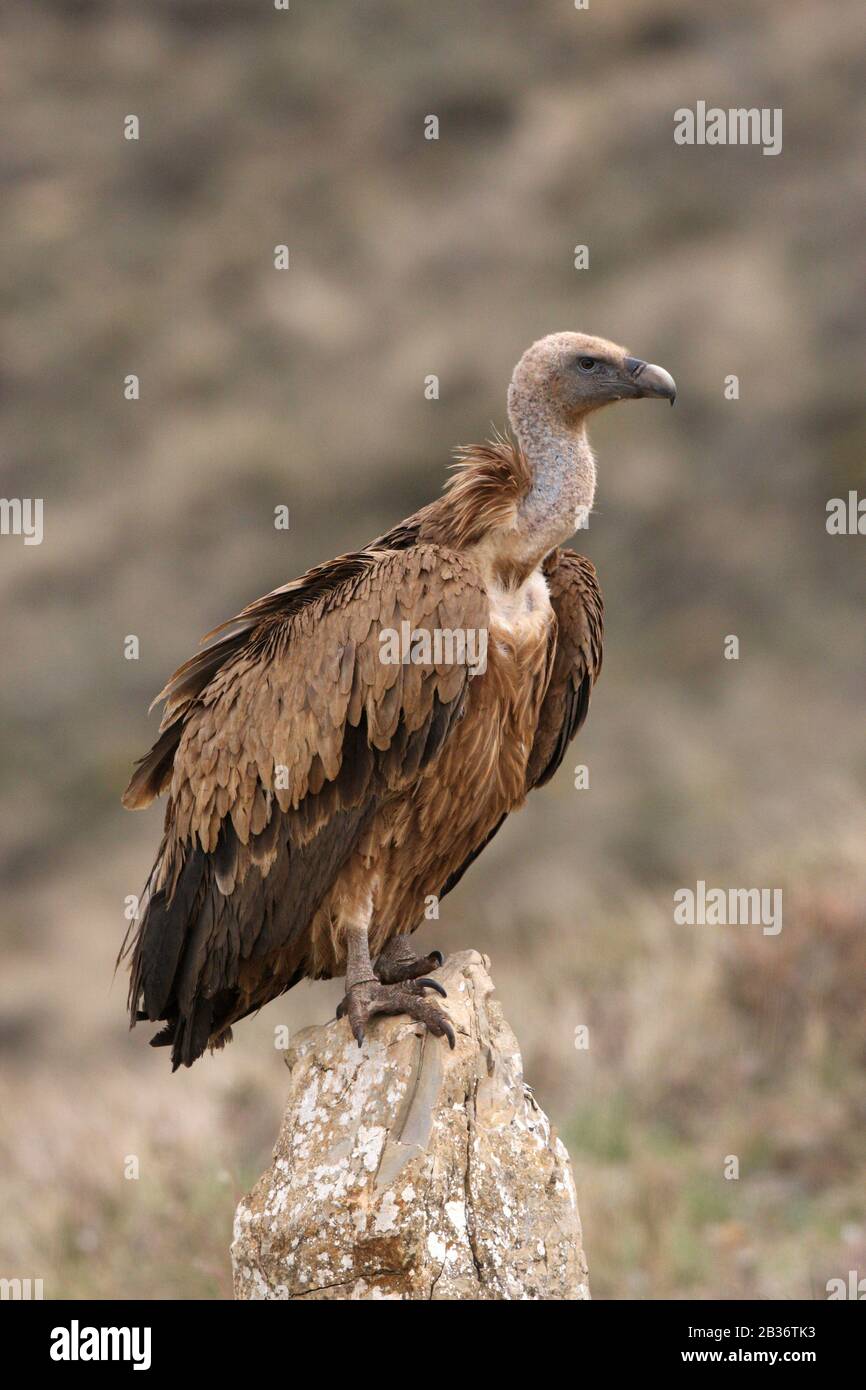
<point x="406" y="1171"/>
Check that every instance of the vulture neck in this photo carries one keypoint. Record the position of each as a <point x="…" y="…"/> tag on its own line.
<point x="562" y="488"/>
<point x="510" y="505"/>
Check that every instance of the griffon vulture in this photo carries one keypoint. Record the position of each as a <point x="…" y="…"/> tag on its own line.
<point x="322" y="787"/>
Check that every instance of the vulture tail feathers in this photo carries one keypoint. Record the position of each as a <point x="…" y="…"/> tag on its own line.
<point x="160" y="939"/>
<point x="165" y="1036"/>
<point x="192" y="1032"/>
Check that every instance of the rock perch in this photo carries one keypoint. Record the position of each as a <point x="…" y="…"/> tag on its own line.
<point x="406" y="1171"/>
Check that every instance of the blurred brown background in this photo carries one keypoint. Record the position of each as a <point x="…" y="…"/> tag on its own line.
<point x="411" y="257"/>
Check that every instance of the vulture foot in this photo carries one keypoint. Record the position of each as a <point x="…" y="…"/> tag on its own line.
<point x="369" y="997"/>
<point x="398" y="962"/>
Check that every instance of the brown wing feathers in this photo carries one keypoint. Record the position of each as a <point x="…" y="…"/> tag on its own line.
<point x="279" y="743"/>
<point x="577" y="603"/>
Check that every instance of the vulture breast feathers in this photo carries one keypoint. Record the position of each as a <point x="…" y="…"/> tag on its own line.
<point x="294" y="758"/>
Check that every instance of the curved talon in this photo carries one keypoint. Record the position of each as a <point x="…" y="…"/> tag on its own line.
<point x="432" y="984"/>
<point x="440" y="959"/>
<point x="367" y="998"/>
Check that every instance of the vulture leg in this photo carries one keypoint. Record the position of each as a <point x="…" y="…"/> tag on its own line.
<point x="366" y="995"/>
<point x="399" y="962"/>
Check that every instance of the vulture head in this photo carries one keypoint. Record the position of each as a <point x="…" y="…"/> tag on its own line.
<point x="565" y="376"/>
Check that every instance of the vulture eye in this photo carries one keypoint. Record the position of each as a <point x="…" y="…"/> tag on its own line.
<point x="586" y="364"/>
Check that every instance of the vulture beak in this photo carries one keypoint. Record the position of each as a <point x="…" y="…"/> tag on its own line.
<point x="651" y="380"/>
